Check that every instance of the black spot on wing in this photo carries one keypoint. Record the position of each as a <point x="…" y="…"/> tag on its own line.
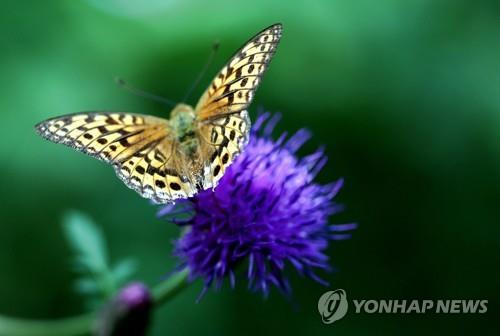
<point x="216" y="170"/>
<point x="225" y="158"/>
<point x="175" y="186"/>
<point x="232" y="134"/>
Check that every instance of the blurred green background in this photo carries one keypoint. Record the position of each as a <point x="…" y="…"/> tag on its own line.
<point x="404" y="94"/>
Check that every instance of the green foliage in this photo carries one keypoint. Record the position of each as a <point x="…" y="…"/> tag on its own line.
<point x="98" y="279"/>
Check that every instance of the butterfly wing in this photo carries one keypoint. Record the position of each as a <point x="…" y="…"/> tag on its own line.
<point x="140" y="148"/>
<point x="233" y="88"/>
<point x="222" y="118"/>
<point x="222" y="140"/>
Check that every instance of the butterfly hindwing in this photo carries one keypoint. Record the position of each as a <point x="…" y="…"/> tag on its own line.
<point x="154" y="173"/>
<point x="223" y="139"/>
<point x="233" y="88"/>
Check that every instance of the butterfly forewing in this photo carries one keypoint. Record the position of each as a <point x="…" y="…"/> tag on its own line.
<point x="233" y="88"/>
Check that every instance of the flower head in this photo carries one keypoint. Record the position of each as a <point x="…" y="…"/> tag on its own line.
<point x="128" y="313"/>
<point x="266" y="212"/>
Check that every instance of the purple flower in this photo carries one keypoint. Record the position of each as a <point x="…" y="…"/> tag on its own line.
<point x="128" y="313"/>
<point x="265" y="214"/>
<point x="135" y="296"/>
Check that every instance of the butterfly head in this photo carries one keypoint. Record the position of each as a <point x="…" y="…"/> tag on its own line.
<point x="182" y="110"/>
<point x="182" y="117"/>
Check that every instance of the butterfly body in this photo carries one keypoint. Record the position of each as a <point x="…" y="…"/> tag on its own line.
<point x="183" y="124"/>
<point x="169" y="159"/>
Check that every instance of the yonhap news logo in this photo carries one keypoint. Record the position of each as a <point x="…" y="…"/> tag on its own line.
<point x="333" y="306"/>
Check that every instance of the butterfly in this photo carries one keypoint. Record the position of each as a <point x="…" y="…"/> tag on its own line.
<point x="175" y="158"/>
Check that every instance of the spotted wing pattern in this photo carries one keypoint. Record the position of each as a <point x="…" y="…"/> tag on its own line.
<point x="221" y="111"/>
<point x="233" y="88"/>
<point x="222" y="140"/>
<point x="140" y="148"/>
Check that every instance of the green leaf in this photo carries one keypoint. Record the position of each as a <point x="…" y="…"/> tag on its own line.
<point x="86" y="286"/>
<point x="123" y="270"/>
<point x="87" y="241"/>
<point x="98" y="281"/>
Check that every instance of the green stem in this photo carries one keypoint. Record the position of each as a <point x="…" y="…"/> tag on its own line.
<point x="79" y="325"/>
<point x="83" y="324"/>
<point x="166" y="290"/>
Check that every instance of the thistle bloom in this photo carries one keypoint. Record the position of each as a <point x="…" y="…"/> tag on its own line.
<point x="266" y="213"/>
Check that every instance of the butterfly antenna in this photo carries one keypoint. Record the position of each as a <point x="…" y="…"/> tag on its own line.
<point x="121" y="82"/>
<point x="215" y="47"/>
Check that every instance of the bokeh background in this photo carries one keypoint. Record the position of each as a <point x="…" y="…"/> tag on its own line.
<point x="404" y="94"/>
